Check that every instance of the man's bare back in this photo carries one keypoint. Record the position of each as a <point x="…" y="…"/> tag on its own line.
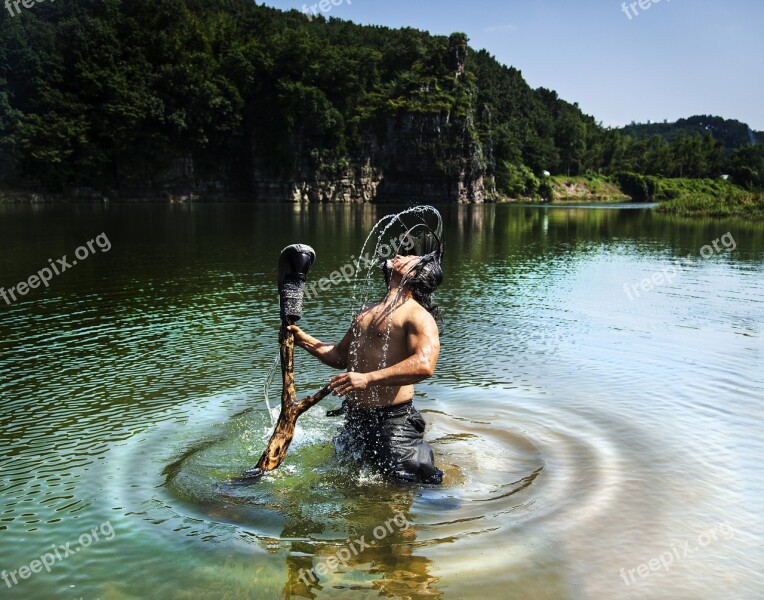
<point x="381" y="339"/>
<point x="382" y="370"/>
<point x="389" y="347"/>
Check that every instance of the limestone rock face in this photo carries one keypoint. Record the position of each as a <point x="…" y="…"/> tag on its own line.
<point x="423" y="159"/>
<point x="432" y="158"/>
<point x="431" y="145"/>
<point x="354" y="185"/>
<point x="420" y="157"/>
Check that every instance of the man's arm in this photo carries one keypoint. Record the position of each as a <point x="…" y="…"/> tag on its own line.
<point x="423" y="343"/>
<point x="332" y="355"/>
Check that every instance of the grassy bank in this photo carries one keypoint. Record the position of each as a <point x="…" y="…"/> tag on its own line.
<point x="519" y="184"/>
<point x="730" y="202"/>
<point x="676" y="196"/>
<point x="586" y="189"/>
<point x="694" y="197"/>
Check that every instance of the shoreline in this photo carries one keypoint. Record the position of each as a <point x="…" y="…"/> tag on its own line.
<point x="708" y="198"/>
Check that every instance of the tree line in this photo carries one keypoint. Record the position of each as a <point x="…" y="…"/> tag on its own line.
<point x="109" y="93"/>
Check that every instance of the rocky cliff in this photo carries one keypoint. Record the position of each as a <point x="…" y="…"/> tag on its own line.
<point x="421" y="156"/>
<point x="423" y="159"/>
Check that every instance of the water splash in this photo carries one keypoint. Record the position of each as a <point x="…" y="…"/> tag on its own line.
<point x="387" y="241"/>
<point x="273" y="412"/>
<point x="389" y="221"/>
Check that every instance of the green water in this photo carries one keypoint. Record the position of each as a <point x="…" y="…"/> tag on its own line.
<point x="584" y="433"/>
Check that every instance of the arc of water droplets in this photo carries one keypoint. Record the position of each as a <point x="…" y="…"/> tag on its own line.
<point x="267" y="386"/>
<point x="389" y="221"/>
<point x="392" y="219"/>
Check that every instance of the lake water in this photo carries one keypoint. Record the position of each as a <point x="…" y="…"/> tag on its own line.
<point x="599" y="440"/>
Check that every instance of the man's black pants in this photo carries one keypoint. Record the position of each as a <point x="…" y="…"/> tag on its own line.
<point x="392" y="439"/>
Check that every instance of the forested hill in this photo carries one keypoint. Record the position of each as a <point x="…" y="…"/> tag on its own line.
<point x="731" y="133"/>
<point x="127" y="98"/>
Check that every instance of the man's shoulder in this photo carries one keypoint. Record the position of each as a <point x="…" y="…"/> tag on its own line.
<point x="417" y="314"/>
<point x="367" y="307"/>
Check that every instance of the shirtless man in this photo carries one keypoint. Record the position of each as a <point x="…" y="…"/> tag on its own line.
<point x="381" y="424"/>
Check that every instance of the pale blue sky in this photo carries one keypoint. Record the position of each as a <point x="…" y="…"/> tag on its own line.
<point x="675" y="59"/>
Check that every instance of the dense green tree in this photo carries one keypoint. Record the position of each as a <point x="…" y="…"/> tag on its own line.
<point x="731" y="133"/>
<point x="107" y="93"/>
<point x="746" y="167"/>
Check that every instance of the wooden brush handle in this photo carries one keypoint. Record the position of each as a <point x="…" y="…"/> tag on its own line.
<point x="291" y="409"/>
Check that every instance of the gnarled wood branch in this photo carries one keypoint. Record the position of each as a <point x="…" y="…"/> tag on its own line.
<point x="291" y="409"/>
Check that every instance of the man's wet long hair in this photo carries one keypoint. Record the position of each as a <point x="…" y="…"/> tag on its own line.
<point x="427" y="274"/>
